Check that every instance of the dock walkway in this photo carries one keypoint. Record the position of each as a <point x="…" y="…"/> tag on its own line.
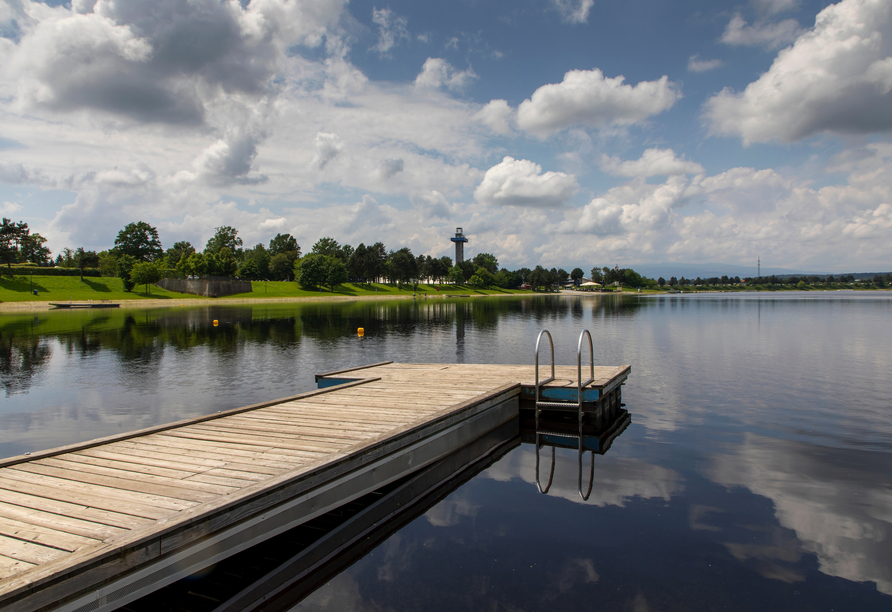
<point x="95" y="525"/>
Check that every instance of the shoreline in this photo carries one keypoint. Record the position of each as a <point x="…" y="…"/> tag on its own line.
<point x="29" y="306"/>
<point x="25" y="307"/>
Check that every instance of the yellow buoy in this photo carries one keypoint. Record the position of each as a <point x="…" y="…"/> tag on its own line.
<point x="360" y="331"/>
<point x="216" y="323"/>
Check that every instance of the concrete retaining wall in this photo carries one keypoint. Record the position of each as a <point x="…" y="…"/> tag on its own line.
<point x="209" y="287"/>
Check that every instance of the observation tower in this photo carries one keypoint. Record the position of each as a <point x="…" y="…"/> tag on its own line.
<point x="459" y="240"/>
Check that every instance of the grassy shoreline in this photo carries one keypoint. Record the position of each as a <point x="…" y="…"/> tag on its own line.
<point x="16" y="293"/>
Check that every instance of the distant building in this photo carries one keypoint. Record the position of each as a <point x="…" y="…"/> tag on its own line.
<point x="459" y="240"/>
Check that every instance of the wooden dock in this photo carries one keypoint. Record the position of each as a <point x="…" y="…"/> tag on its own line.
<point x="96" y="525"/>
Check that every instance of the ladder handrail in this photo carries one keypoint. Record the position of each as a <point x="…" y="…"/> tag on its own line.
<point x="551" y="344"/>
<point x="550" y="474"/>
<point x="591" y="475"/>
<point x="591" y="379"/>
<point x="580" y="384"/>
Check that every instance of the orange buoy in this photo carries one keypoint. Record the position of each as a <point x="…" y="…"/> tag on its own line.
<point x="216" y="323"/>
<point x="360" y="332"/>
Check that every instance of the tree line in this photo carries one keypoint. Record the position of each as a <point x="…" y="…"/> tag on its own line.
<point x="138" y="258"/>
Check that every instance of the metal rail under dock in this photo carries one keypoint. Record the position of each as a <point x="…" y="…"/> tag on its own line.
<point x="93" y="526"/>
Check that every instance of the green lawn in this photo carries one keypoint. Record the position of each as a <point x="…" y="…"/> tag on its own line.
<point x="65" y="288"/>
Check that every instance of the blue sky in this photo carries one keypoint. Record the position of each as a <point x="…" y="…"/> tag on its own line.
<point x="555" y="132"/>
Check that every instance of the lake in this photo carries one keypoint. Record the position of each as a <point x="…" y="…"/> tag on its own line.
<point x="756" y="472"/>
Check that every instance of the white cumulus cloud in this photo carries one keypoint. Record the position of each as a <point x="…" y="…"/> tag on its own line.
<point x="652" y="162"/>
<point x="437" y="72"/>
<point x="768" y="35"/>
<point x="391" y="30"/>
<point x="328" y="146"/>
<point x="835" y="78"/>
<point x="496" y="115"/>
<point x="520" y="182"/>
<point x="695" y="64"/>
<point x="636" y="206"/>
<point x="587" y="97"/>
<point x="574" y="11"/>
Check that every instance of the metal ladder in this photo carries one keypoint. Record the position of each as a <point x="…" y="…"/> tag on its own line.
<point x="580" y="384"/>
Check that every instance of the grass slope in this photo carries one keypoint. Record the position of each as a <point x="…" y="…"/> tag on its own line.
<point x="65" y="288"/>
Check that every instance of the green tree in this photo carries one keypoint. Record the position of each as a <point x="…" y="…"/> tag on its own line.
<point x="597" y="275"/>
<point x="281" y="265"/>
<point x="310" y="271"/>
<point x="632" y="278"/>
<point x="508" y="280"/>
<point x="327" y="246"/>
<point x="146" y="273"/>
<point x="540" y="277"/>
<point x="488" y="261"/>
<point x="125" y="265"/>
<point x="194" y="265"/>
<point x="221" y="263"/>
<point x="467" y="268"/>
<point x="577" y="274"/>
<point x="484" y="277"/>
<point x="178" y="251"/>
<point x="85" y="259"/>
<point x="108" y="263"/>
<point x="283" y="243"/>
<point x="356" y="266"/>
<point x="404" y="266"/>
<point x="455" y="275"/>
<point x="225" y="237"/>
<point x="255" y="264"/>
<point x="335" y="272"/>
<point x="140" y="241"/>
<point x="12" y="235"/>
<point x="662" y="281"/>
<point x="561" y="275"/>
<point x="32" y="250"/>
<point x="376" y="260"/>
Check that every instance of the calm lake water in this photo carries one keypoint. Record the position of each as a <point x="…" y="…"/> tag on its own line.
<point x="756" y="473"/>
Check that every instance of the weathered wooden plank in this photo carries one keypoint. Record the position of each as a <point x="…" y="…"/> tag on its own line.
<point x="11" y="567"/>
<point x="265" y="464"/>
<point x="135" y="477"/>
<point x="243" y="445"/>
<point x="93" y="497"/>
<point x="44" y="536"/>
<point x="227" y="473"/>
<point x="120" y="452"/>
<point x="162" y="496"/>
<point x="121" y="463"/>
<point x="221" y="437"/>
<point x="28" y="551"/>
<point x="384" y="415"/>
<point x="87" y="529"/>
<point x="262" y="431"/>
<point x="75" y="510"/>
<point x="313" y="422"/>
<point x="238" y="483"/>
